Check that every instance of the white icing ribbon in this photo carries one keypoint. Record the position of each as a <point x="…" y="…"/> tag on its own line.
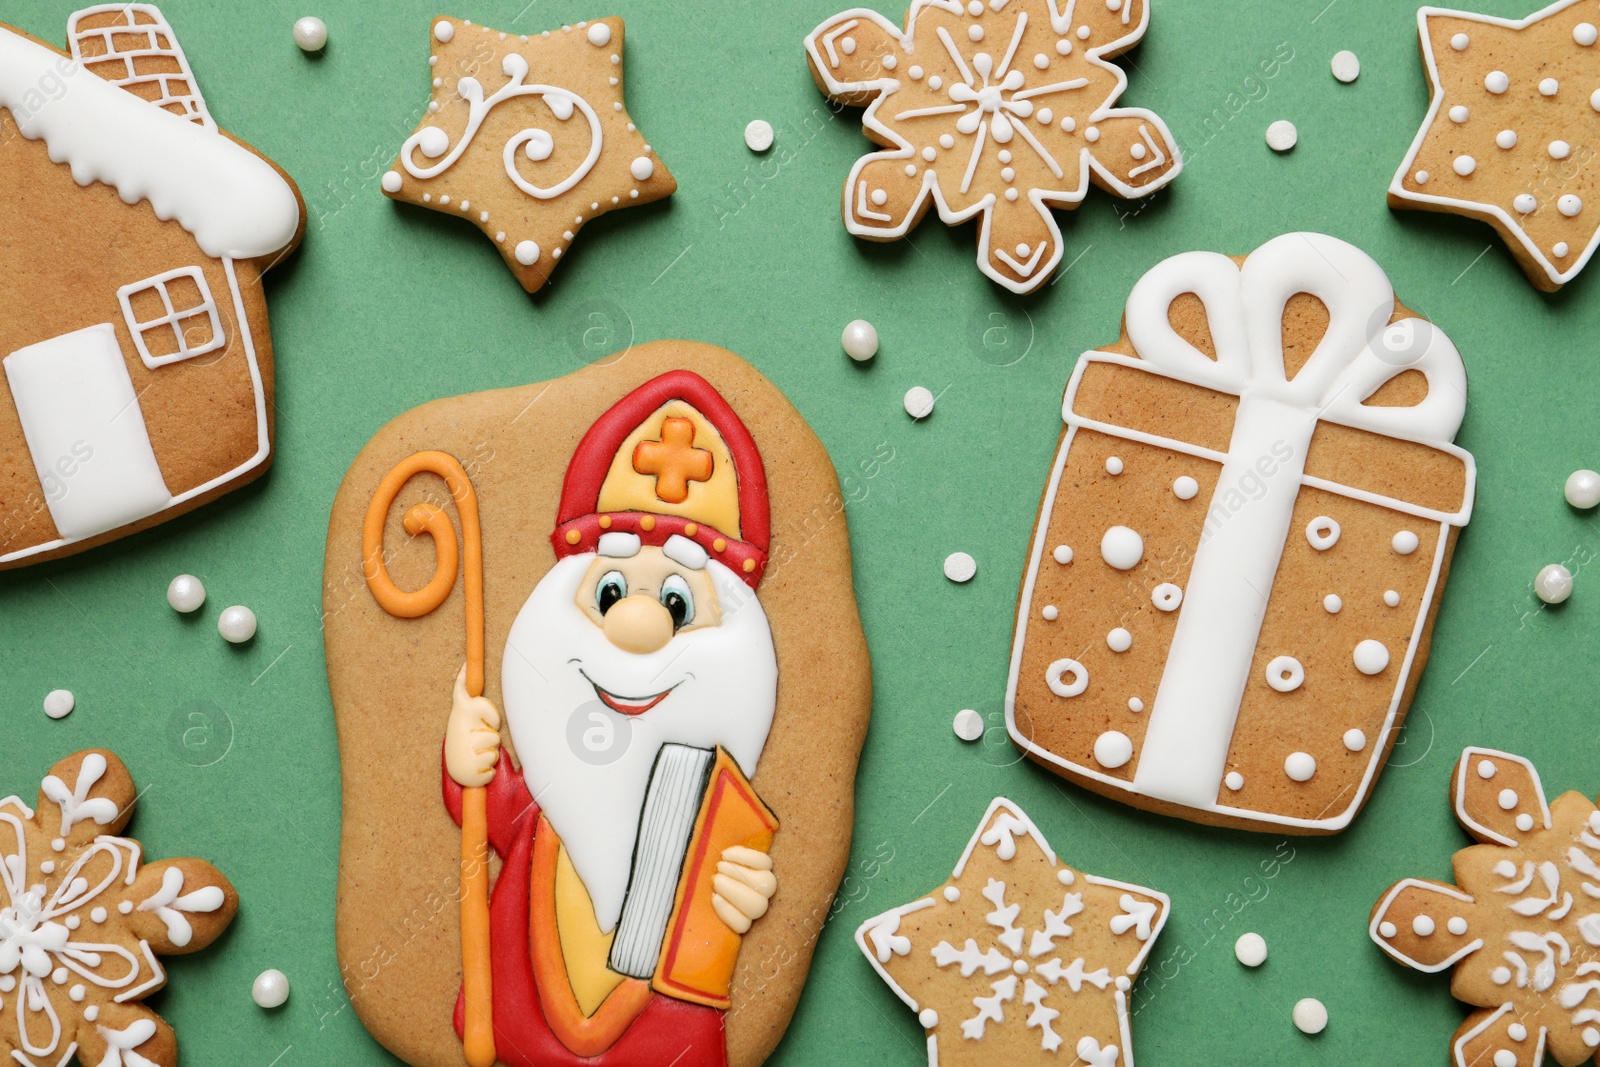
<point x="536" y="142"/>
<point x="1208" y="666"/>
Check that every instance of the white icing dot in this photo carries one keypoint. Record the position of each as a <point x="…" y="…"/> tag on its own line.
<point x="1300" y="766"/>
<point x="1582" y="489"/>
<point x="1594" y="99"/>
<point x="1517" y="1032"/>
<point x="1113" y="749"/>
<point x="915" y="72"/>
<point x="952" y="894"/>
<point x="392" y="181"/>
<point x="1122" y="548"/>
<point x="1050" y="613"/>
<point x="443" y="32"/>
<point x="1332" y="604"/>
<point x="1166" y="596"/>
<point x="1041" y="61"/>
<point x="1524" y="822"/>
<point x="271" y="987"/>
<point x="1065" y="876"/>
<point x="1391" y="598"/>
<point x="879" y="197"/>
<point x="1506" y="869"/>
<point x="1500" y="975"/>
<point x="1355" y="740"/>
<point x="1422" y="926"/>
<point x="1044" y="116"/>
<point x="1405" y="542"/>
<point x="1346" y="66"/>
<point x="1135" y="704"/>
<point x="968" y="725"/>
<point x="1585" y="34"/>
<point x="58" y="703"/>
<point x="641" y="168"/>
<point x="1559" y="249"/>
<point x="126" y="907"/>
<point x="960" y="567"/>
<point x="1553" y="584"/>
<point x="1234" y="781"/>
<point x="1569" y="205"/>
<point x="59" y="976"/>
<point x="527" y="253"/>
<point x="1458" y="113"/>
<point x="1559" y="150"/>
<point x="1497" y="82"/>
<point x="1310" y="1016"/>
<point x="1387" y="929"/>
<point x="98" y="915"/>
<point x="975" y="33"/>
<point x="935" y="82"/>
<point x="1457" y="925"/>
<point x="237" y="624"/>
<point x="1524" y="203"/>
<point x="928" y="1018"/>
<point x="77" y="993"/>
<point x="1119" y="640"/>
<point x="1063" y="47"/>
<point x="1322" y="532"/>
<point x="1549" y="87"/>
<point x="1486" y="769"/>
<point x="1063" y="554"/>
<point x="1282" y="136"/>
<point x="1114" y="465"/>
<point x="859" y="340"/>
<point x="1464" y="165"/>
<point x="1459" y="42"/>
<point x="59" y="844"/>
<point x="1185" y="488"/>
<point x="1091" y="135"/>
<point x="911" y="172"/>
<point x="847" y="45"/>
<point x="434" y="142"/>
<point x="1505" y="1058"/>
<point x="1137" y="151"/>
<point x="1507" y="799"/>
<point x="1506" y="138"/>
<point x="946" y="141"/>
<point x="1285" y="674"/>
<point x="1371" y="657"/>
<point x="919" y="402"/>
<point x="1083" y="33"/>
<point x="1251" y="949"/>
<point x="1054" y="677"/>
<point x="1420" y="177"/>
<point x="1591" y="1036"/>
<point x="758" y="135"/>
<point x="599" y="34"/>
<point x="310" y="33"/>
<point x="1011" y="194"/>
<point x="930" y="154"/>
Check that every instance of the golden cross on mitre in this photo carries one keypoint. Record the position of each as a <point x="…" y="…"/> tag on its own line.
<point x="673" y="460"/>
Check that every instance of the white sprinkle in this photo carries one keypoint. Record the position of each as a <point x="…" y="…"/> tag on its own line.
<point x="1553" y="585"/>
<point x="758" y="135"/>
<point x="1583" y="489"/>
<point x="860" y="340"/>
<point x="186" y="593"/>
<point x="1282" y="136"/>
<point x="1310" y="1016"/>
<point x="960" y="567"/>
<point x="310" y="33"/>
<point x="968" y="725"/>
<point x="1346" y="67"/>
<point x="919" y="402"/>
<point x="271" y="987"/>
<point x="238" y="623"/>
<point x="1251" y="950"/>
<point x="58" y="703"/>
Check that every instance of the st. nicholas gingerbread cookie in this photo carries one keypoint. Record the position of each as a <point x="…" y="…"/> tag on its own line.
<point x="1509" y="136"/>
<point x="83" y="919"/>
<point x="1243" y="541"/>
<point x="526" y="137"/>
<point x="137" y="385"/>
<point x="1001" y="111"/>
<point x="1521" y="925"/>
<point x="648" y="736"/>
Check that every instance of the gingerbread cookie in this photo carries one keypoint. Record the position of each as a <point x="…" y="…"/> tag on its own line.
<point x="1508" y="135"/>
<point x="1000" y="110"/>
<point x="82" y="922"/>
<point x="1243" y="541"/>
<point x="1521" y="925"/>
<point x="1018" y="958"/>
<point x="649" y="733"/>
<point x="138" y="386"/>
<point x="526" y="137"/>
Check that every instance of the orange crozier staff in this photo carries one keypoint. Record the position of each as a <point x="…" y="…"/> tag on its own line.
<point x="478" y="1038"/>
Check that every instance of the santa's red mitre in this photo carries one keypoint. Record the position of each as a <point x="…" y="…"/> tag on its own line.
<point x="670" y="458"/>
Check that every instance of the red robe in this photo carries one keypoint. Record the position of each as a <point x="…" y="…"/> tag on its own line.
<point x="666" y="1032"/>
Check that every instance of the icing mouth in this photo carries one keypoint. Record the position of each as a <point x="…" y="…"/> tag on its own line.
<point x="629" y="705"/>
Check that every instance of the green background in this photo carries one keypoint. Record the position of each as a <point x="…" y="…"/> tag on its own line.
<point x="387" y="306"/>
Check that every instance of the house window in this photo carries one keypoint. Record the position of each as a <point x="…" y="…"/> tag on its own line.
<point x="172" y="317"/>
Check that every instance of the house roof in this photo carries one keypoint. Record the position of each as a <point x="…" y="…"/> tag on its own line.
<point x="232" y="201"/>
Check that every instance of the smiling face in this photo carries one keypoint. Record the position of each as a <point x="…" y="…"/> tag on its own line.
<point x="614" y="654"/>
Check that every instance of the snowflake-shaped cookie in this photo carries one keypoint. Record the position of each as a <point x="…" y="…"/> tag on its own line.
<point x="1510" y="133"/>
<point x="1522" y="923"/>
<point x="1018" y="956"/>
<point x="527" y="138"/>
<point x="1001" y="110"/>
<point x="81" y="923"/>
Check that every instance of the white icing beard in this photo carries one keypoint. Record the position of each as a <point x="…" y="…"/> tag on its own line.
<point x="724" y="682"/>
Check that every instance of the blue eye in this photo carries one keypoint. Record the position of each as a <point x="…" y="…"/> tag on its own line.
<point x="678" y="601"/>
<point x="612" y="588"/>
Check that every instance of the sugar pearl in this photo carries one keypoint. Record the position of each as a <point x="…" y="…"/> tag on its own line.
<point x="1310" y="1016"/>
<point x="443" y="32"/>
<point x="1569" y="205"/>
<point x="58" y="703"/>
<point x="1234" y="781"/>
<point x="1464" y="165"/>
<point x="919" y="402"/>
<point x="1346" y="67"/>
<point x="186" y="593"/>
<point x="1300" y="766"/>
<point x="1553" y="584"/>
<point x="1459" y="42"/>
<point x="1525" y="203"/>
<point x="1355" y="740"/>
<point x="1282" y="136"/>
<point x="1506" y="138"/>
<point x="1497" y="82"/>
<point x="1583" y="489"/>
<point x="968" y="725"/>
<point x="860" y="340"/>
<point x="270" y="989"/>
<point x="527" y="253"/>
<point x="1559" y="150"/>
<point x="237" y="624"/>
<point x="311" y="34"/>
<point x="1549" y="87"/>
<point x="1251" y="949"/>
<point x="1371" y="657"/>
<point x="758" y="135"/>
<point x="1063" y="554"/>
<point x="960" y="567"/>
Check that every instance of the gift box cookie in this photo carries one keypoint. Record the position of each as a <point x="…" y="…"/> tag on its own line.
<point x="1242" y="544"/>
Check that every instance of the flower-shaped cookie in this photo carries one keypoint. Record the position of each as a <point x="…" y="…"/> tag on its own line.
<point x="1510" y="133"/>
<point x="1522" y="929"/>
<point x="81" y="923"/>
<point x="1001" y="110"/>
<point x="1018" y="955"/>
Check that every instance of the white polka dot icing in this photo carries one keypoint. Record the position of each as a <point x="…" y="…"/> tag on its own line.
<point x="1122" y="548"/>
<point x="1355" y="740"/>
<point x="1371" y="657"/>
<point x="1113" y="749"/>
<point x="1185" y="488"/>
<point x="1300" y="766"/>
<point x="1497" y="82"/>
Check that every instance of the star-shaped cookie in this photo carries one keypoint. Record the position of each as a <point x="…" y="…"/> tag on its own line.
<point x="1018" y="959"/>
<point x="527" y="137"/>
<point x="1511" y="133"/>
